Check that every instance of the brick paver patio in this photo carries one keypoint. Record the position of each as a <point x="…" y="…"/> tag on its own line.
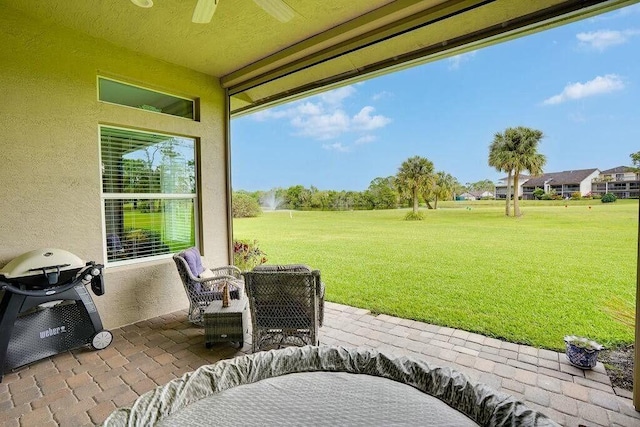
<point x="82" y="387"/>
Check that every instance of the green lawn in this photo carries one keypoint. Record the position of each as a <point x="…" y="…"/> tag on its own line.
<point x="138" y="219"/>
<point x="528" y="280"/>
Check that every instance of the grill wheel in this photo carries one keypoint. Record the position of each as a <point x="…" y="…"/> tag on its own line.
<point x="101" y="340"/>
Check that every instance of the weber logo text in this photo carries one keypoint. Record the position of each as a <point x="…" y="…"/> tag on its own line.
<point x="53" y="331"/>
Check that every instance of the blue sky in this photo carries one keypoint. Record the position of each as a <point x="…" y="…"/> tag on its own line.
<point x="579" y="84"/>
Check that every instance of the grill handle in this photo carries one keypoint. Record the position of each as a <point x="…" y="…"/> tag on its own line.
<point x="52" y="276"/>
<point x="80" y="279"/>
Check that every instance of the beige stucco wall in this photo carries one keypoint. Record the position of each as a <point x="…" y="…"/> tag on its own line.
<point x="50" y="173"/>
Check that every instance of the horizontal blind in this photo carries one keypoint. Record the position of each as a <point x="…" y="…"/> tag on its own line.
<point x="140" y="162"/>
<point x="149" y="193"/>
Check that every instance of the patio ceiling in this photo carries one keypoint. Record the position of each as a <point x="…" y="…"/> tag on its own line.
<point x="262" y="61"/>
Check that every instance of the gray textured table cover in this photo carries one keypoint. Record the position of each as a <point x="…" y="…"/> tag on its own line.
<point x="321" y="386"/>
<point x="319" y="399"/>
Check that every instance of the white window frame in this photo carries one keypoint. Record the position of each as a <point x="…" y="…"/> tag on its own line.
<point x="194" y="104"/>
<point x="133" y="196"/>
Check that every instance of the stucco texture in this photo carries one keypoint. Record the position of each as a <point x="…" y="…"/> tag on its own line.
<point x="50" y="174"/>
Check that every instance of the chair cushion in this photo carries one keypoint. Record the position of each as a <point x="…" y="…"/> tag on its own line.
<point x="192" y="256"/>
<point x="113" y="243"/>
<point x="206" y="274"/>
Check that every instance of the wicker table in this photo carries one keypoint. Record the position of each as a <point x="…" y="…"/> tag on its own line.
<point x="225" y="324"/>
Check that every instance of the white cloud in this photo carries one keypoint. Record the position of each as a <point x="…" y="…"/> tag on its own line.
<point x="265" y="115"/>
<point x="365" y="121"/>
<point x="621" y="13"/>
<point x="336" y="96"/>
<point x="381" y="95"/>
<point x="300" y="108"/>
<point x="336" y="146"/>
<point x="309" y="108"/>
<point x="602" y="39"/>
<point x="365" y="139"/>
<point x="598" y="86"/>
<point x="457" y="60"/>
<point x="322" y="117"/>
<point x="322" y="126"/>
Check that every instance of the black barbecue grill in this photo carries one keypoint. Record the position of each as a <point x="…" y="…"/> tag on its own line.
<point x="46" y="308"/>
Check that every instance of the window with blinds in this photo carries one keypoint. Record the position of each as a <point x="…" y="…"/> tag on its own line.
<point x="148" y="193"/>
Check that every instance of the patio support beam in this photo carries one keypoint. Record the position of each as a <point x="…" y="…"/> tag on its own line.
<point x="332" y="43"/>
<point x="227" y="165"/>
<point x="636" y="349"/>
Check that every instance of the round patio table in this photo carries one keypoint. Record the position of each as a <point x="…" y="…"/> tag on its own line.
<point x="325" y="386"/>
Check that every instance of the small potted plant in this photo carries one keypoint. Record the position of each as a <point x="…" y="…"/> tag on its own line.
<point x="247" y="254"/>
<point x="582" y="352"/>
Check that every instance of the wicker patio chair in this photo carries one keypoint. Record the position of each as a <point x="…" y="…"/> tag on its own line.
<point x="284" y="307"/>
<point x="204" y="285"/>
<point x="299" y="268"/>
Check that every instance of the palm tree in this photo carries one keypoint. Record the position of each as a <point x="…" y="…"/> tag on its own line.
<point x="414" y="177"/>
<point x="500" y="158"/>
<point x="445" y="184"/>
<point x="635" y="160"/>
<point x="516" y="151"/>
<point x="526" y="157"/>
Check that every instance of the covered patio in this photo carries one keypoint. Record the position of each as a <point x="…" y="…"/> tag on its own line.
<point x="83" y="387"/>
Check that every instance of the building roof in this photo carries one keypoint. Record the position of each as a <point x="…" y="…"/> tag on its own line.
<point x="560" y="178"/>
<point x="521" y="178"/>
<point x="619" y="169"/>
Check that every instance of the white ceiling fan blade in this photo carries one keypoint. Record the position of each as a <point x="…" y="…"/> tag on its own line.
<point x="204" y="11"/>
<point x="277" y="8"/>
<point x="143" y="3"/>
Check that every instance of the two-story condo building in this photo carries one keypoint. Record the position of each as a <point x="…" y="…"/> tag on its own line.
<point x="623" y="181"/>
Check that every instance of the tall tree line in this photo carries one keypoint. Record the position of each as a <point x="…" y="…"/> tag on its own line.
<point x="513" y="151"/>
<point x="388" y="192"/>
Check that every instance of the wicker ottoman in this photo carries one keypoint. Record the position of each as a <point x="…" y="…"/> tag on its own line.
<point x="225" y="324"/>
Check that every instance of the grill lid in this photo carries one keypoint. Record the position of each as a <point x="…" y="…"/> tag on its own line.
<point x="41" y="261"/>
